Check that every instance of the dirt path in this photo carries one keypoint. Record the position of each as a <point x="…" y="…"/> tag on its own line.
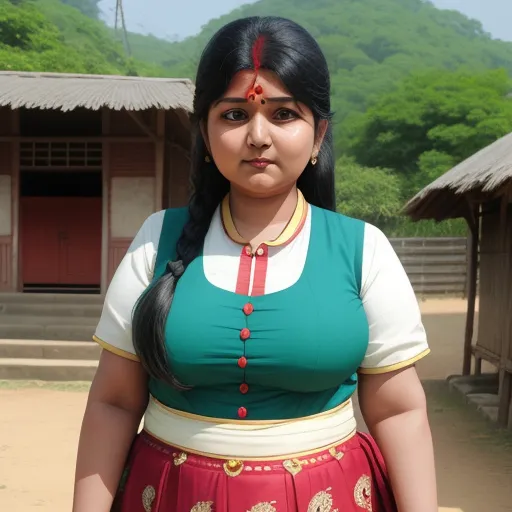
<point x="39" y="432"/>
<point x="39" y="428"/>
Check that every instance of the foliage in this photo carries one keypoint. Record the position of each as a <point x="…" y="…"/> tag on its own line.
<point x="411" y="86"/>
<point x="88" y="7"/>
<point x="371" y="194"/>
<point x="433" y="121"/>
<point x="45" y="35"/>
<point x="371" y="45"/>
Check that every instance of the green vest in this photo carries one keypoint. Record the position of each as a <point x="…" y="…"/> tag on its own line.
<point x="306" y="342"/>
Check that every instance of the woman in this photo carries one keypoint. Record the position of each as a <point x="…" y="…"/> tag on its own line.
<point x="256" y="311"/>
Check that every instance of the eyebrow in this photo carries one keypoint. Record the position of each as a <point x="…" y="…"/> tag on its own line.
<point x="278" y="99"/>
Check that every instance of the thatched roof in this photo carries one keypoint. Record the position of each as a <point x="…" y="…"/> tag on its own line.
<point x="485" y="173"/>
<point x="68" y="91"/>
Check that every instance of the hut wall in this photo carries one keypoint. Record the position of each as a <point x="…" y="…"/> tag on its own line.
<point x="177" y="159"/>
<point x="132" y="182"/>
<point x="6" y="204"/>
<point x="495" y="286"/>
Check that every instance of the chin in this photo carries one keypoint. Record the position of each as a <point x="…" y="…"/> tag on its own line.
<point x="262" y="184"/>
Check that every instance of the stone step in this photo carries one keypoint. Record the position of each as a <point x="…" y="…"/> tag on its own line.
<point x="51" y="309"/>
<point x="47" y="369"/>
<point x="42" y="349"/>
<point x="50" y="298"/>
<point x="43" y="320"/>
<point x="63" y="332"/>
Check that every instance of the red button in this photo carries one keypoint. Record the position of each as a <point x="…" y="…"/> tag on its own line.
<point x="245" y="334"/>
<point x="242" y="412"/>
<point x="248" y="250"/>
<point x="244" y="388"/>
<point x="242" y="362"/>
<point x="261" y="251"/>
<point x="248" y="309"/>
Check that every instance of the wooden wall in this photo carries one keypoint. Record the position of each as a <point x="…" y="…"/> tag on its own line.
<point x="6" y="206"/>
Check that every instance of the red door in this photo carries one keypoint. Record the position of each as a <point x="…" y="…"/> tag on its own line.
<point x="61" y="240"/>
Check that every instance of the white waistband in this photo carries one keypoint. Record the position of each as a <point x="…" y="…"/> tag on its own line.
<point x="251" y="439"/>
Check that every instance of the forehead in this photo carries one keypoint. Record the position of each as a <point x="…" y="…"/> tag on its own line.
<point x="243" y="80"/>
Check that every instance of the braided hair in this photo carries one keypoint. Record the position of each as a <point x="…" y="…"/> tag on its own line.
<point x="293" y="55"/>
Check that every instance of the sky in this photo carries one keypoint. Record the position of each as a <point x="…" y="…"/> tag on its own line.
<point x="177" y="19"/>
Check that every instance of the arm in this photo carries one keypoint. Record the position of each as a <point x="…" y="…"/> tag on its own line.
<point x="116" y="403"/>
<point x="394" y="408"/>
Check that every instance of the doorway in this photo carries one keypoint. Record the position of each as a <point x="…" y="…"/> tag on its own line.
<point x="61" y="230"/>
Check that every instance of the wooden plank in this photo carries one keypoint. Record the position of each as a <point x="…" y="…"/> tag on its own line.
<point x="430" y="250"/>
<point x="471" y="293"/>
<point x="428" y="269"/>
<point x="485" y="354"/>
<point x="505" y="398"/>
<point x="435" y="259"/>
<point x="439" y="279"/>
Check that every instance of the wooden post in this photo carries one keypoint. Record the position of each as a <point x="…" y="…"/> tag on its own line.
<point x="474" y="236"/>
<point x="16" y="283"/>
<point x="105" y="226"/>
<point x="505" y="377"/>
<point x="160" y="159"/>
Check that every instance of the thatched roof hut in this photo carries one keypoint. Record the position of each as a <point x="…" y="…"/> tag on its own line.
<point x="484" y="176"/>
<point x="480" y="190"/>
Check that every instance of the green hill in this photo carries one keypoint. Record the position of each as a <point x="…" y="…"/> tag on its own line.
<point x="412" y="88"/>
<point x="48" y="35"/>
<point x="370" y="45"/>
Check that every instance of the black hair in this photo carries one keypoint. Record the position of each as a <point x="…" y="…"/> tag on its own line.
<point x="292" y="54"/>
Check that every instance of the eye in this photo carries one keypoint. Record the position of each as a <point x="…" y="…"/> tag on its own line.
<point x="235" y="115"/>
<point x="285" y="114"/>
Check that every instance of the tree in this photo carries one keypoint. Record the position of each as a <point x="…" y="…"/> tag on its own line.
<point x="433" y="121"/>
<point x="369" y="194"/>
<point x="88" y="7"/>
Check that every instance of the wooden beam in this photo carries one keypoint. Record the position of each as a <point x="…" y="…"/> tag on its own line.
<point x="474" y="238"/>
<point x="505" y="399"/>
<point x="143" y="126"/>
<point x="505" y="390"/>
<point x="159" y="159"/>
<point x="105" y="216"/>
<point x="15" y="197"/>
<point x="99" y="140"/>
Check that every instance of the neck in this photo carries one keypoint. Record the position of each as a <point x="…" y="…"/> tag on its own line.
<point x="262" y="219"/>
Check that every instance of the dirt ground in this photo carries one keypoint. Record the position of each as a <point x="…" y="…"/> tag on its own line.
<point x="39" y="428"/>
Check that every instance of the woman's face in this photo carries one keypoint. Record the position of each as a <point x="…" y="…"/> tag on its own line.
<point x="262" y="149"/>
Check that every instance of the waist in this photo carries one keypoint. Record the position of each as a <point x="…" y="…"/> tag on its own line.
<point x="262" y="439"/>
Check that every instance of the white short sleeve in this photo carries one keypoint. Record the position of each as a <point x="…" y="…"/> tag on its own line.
<point x="132" y="277"/>
<point x="397" y="335"/>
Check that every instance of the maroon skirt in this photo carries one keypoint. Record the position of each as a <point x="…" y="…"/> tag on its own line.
<point x="350" y="477"/>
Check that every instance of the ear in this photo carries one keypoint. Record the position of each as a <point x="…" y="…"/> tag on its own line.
<point x="204" y="133"/>
<point x="320" y="135"/>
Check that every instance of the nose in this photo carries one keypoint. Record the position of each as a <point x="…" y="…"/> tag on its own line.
<point x="258" y="135"/>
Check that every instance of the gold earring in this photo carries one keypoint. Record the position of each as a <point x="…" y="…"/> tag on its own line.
<point x="207" y="159"/>
<point x="314" y="160"/>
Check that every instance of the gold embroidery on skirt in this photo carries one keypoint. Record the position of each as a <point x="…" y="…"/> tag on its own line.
<point x="267" y="506"/>
<point x="337" y="455"/>
<point x="322" y="502"/>
<point x="233" y="467"/>
<point x="202" y="506"/>
<point x="293" y="466"/>
<point x="363" y="493"/>
<point x="179" y="458"/>
<point x="148" y="496"/>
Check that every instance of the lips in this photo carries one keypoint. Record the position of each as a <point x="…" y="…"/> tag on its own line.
<point x="259" y="162"/>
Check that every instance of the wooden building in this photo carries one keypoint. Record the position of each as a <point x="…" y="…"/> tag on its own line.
<point x="83" y="161"/>
<point x="480" y="191"/>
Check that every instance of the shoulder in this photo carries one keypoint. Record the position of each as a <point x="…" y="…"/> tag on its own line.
<point x="151" y="228"/>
